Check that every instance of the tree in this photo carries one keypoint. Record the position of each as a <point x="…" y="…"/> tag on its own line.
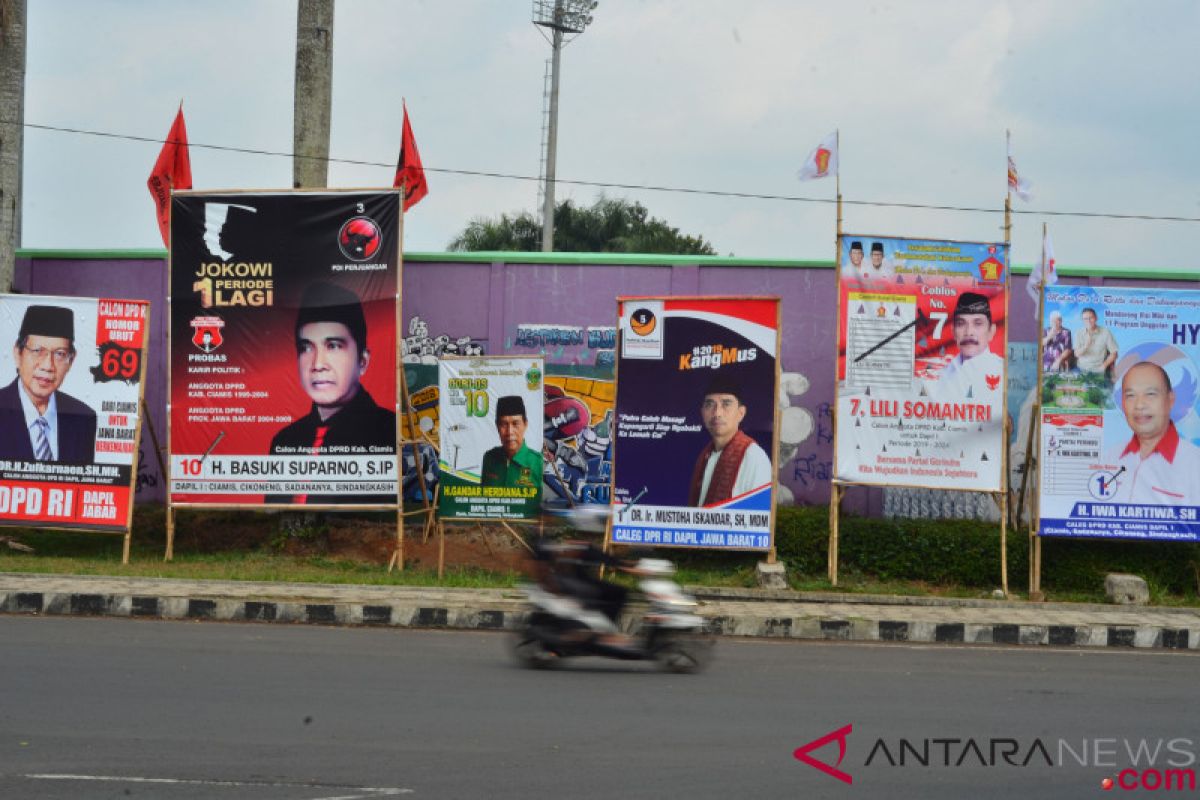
<point x="610" y="225"/>
<point x="313" y="93"/>
<point x="12" y="132"/>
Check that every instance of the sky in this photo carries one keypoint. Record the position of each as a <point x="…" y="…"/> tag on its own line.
<point x="1101" y="99"/>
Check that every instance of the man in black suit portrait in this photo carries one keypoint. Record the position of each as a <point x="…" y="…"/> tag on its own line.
<point x="37" y="421"/>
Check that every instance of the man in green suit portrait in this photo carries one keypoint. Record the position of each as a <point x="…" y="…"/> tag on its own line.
<point x="512" y="464"/>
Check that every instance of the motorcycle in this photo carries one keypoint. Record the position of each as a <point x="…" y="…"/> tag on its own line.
<point x="669" y="631"/>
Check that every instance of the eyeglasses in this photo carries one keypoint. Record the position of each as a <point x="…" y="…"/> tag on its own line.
<point x="60" y="356"/>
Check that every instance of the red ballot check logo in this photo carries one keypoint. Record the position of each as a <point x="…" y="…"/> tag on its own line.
<point x="802" y="753"/>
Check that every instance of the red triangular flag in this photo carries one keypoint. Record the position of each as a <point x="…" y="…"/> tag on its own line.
<point x="409" y="172"/>
<point x="173" y="170"/>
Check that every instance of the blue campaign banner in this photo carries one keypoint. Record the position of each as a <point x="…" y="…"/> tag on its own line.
<point x="1120" y="433"/>
<point x="695" y="409"/>
<point x="1127" y="521"/>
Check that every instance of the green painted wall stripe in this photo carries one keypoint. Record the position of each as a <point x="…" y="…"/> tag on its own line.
<point x="610" y="259"/>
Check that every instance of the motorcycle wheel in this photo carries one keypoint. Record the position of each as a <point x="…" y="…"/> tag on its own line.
<point x="530" y="652"/>
<point x="684" y="655"/>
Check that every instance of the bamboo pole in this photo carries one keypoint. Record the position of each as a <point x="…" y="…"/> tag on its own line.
<point x="1035" y="423"/>
<point x="835" y="490"/>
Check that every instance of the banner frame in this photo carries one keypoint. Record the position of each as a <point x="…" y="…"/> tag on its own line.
<point x="143" y="418"/>
<point x="608" y="542"/>
<point x="171" y="506"/>
<point x="838" y="486"/>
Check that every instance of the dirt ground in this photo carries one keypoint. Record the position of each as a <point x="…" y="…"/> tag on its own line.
<point x="370" y="541"/>
<point x="466" y="546"/>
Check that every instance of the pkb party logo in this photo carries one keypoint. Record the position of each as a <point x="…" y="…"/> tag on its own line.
<point x="359" y="239"/>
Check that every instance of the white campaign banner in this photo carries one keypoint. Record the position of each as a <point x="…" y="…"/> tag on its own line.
<point x="284" y="475"/>
<point x="921" y="363"/>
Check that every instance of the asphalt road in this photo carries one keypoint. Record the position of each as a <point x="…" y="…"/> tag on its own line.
<point x="98" y="708"/>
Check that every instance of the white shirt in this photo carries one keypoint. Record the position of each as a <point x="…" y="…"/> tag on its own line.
<point x="1092" y="348"/>
<point x="1169" y="476"/>
<point x="973" y="372"/>
<point x="867" y="276"/>
<point x="31" y="417"/>
<point x="753" y="472"/>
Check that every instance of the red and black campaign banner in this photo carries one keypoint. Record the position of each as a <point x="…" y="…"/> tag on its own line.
<point x="283" y="348"/>
<point x="70" y="417"/>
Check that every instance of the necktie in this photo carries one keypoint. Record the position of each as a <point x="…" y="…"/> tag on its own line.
<point x="318" y="440"/>
<point x="42" y="451"/>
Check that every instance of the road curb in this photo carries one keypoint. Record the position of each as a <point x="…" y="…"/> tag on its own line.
<point x="505" y="614"/>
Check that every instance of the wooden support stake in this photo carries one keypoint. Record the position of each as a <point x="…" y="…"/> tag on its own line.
<point x="1002" y="501"/>
<point x="170" y="554"/>
<point x="441" y="526"/>
<point x="835" y="502"/>
<point x="515" y="535"/>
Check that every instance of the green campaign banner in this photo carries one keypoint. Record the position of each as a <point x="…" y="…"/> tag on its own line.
<point x="491" y="455"/>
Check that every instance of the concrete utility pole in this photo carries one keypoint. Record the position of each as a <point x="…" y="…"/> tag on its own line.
<point x="12" y="133"/>
<point x="561" y="17"/>
<point x="314" y="93"/>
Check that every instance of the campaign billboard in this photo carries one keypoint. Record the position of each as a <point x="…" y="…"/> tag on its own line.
<point x="922" y="338"/>
<point x="283" y="367"/>
<point x="70" y="417"/>
<point x="694" y="447"/>
<point x="491" y="456"/>
<point x="1120" y="432"/>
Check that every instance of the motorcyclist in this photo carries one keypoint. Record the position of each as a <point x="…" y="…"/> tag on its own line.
<point x="572" y="568"/>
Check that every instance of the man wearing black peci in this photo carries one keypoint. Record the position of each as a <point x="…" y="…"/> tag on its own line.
<point x="37" y="421"/>
<point x="331" y="357"/>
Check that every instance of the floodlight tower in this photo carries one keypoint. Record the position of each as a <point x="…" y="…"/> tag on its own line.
<point x="566" y="20"/>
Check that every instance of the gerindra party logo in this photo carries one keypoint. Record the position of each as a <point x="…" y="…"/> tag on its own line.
<point x="359" y="239"/>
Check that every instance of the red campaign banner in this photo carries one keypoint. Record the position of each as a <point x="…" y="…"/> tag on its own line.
<point x="64" y="504"/>
<point x="283" y="348"/>
<point x="121" y="322"/>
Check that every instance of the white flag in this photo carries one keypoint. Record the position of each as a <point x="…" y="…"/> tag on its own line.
<point x="1016" y="183"/>
<point x="822" y="161"/>
<point x="1044" y="273"/>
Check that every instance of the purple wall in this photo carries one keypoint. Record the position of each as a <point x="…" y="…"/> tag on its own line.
<point x="488" y="300"/>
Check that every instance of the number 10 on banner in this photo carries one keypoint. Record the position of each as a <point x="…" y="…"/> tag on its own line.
<point x="477" y="402"/>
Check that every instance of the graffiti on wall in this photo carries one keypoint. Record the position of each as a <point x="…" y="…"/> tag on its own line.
<point x="796" y="428"/>
<point x="421" y="348"/>
<point x="568" y="344"/>
<point x="578" y="441"/>
<point x="148" y="475"/>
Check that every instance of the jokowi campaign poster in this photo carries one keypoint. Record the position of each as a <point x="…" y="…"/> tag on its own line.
<point x="1120" y="413"/>
<point x="491" y="454"/>
<point x="283" y="348"/>
<point x="69" y="419"/>
<point x="921" y="363"/>
<point x="694" y="449"/>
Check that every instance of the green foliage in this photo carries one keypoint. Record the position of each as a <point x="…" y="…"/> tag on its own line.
<point x="946" y="557"/>
<point x="967" y="553"/>
<point x="609" y="225"/>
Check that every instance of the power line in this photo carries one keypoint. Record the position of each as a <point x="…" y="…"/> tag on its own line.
<point x="630" y="186"/>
